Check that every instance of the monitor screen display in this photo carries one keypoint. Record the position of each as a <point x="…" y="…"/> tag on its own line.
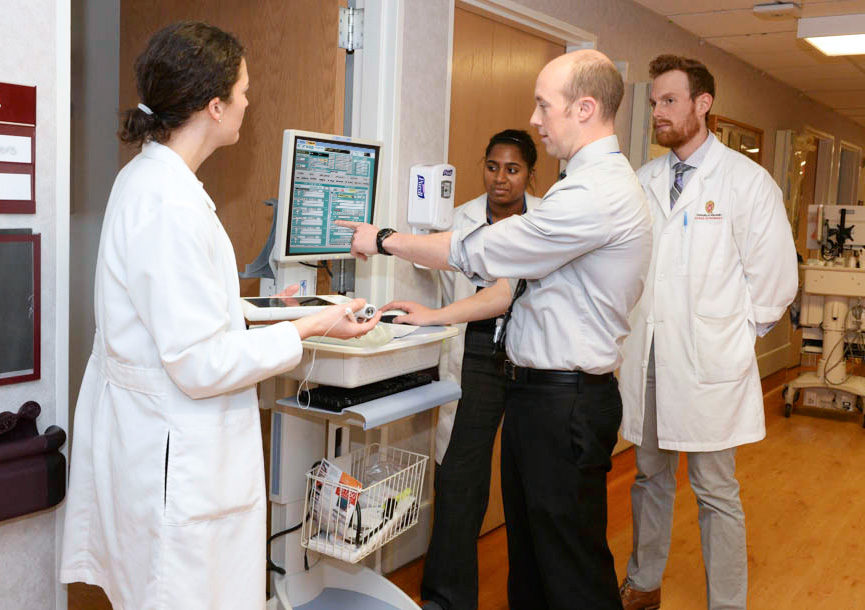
<point x="332" y="178"/>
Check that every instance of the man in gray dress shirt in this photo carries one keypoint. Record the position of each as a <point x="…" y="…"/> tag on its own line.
<point x="583" y="254"/>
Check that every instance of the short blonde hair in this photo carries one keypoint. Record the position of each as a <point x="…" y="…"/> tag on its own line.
<point x="597" y="78"/>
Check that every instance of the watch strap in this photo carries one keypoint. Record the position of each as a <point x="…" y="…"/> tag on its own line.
<point x="382" y="235"/>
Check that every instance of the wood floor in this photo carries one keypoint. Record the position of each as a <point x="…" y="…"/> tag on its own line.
<point x="803" y="489"/>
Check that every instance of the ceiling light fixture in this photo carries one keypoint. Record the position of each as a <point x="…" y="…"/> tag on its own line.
<point x="777" y="10"/>
<point x="836" y="35"/>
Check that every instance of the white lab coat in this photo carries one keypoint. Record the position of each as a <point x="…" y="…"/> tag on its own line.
<point x="166" y="503"/>
<point x="456" y="286"/>
<point x="731" y="266"/>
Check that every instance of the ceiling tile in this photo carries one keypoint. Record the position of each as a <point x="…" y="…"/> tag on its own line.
<point x="810" y="84"/>
<point x="794" y="57"/>
<point x="726" y="23"/>
<point x="757" y="43"/>
<point x="840" y="99"/>
<point x="824" y="8"/>
<point x="841" y="70"/>
<point x="675" y="7"/>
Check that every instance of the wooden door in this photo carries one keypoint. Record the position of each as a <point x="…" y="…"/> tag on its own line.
<point x="492" y="88"/>
<point x="297" y="77"/>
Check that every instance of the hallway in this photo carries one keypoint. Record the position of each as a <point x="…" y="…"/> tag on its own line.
<point x="804" y="497"/>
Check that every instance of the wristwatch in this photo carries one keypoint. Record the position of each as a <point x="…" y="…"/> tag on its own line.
<point x="380" y="237"/>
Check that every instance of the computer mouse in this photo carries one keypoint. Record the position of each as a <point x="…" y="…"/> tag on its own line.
<point x="391" y="314"/>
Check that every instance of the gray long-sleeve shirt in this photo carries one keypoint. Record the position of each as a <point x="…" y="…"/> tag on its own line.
<point x="585" y="251"/>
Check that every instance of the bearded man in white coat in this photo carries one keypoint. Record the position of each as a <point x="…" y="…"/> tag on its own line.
<point x="723" y="271"/>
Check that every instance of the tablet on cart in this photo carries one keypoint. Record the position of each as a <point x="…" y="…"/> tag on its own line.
<point x="270" y="309"/>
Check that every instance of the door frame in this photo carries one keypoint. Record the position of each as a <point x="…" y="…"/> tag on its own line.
<point x="849" y="146"/>
<point x="522" y="18"/>
<point x="826" y="188"/>
<point x="375" y="115"/>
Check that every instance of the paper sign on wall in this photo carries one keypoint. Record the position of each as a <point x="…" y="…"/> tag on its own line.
<point x="17" y="149"/>
<point x="16" y="187"/>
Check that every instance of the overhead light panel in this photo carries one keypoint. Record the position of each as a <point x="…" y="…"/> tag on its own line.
<point x="836" y="35"/>
<point x="777" y="10"/>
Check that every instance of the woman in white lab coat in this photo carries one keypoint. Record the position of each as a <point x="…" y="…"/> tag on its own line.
<point x="166" y="505"/>
<point x="465" y="435"/>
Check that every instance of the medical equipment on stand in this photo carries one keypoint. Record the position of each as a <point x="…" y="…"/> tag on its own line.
<point x="832" y="313"/>
<point x="323" y="178"/>
<point x="347" y="518"/>
<point x="334" y="504"/>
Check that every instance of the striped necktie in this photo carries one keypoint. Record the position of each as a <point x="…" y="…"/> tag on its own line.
<point x="678" y="183"/>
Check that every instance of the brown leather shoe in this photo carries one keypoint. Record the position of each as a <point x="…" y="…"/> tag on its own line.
<point x="639" y="600"/>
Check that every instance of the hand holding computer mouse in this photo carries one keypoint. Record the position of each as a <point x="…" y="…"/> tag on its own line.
<point x="409" y="312"/>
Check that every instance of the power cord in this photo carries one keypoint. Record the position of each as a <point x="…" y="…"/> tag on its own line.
<point x="321" y="265"/>
<point x="850" y="336"/>
<point x="305" y="382"/>
<point x="271" y="566"/>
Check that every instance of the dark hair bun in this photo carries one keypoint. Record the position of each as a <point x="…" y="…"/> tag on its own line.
<point x="184" y="66"/>
<point x="136" y="126"/>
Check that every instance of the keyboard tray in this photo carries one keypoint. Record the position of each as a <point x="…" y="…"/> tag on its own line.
<point x="382" y="411"/>
<point x="349" y="367"/>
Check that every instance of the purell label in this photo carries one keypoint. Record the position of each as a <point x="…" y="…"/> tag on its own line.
<point x="420" y="189"/>
<point x="448" y="172"/>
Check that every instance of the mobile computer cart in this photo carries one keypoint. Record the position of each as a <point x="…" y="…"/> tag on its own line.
<point x="336" y="578"/>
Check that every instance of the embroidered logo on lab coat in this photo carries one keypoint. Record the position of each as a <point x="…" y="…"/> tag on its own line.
<point x="710" y="213"/>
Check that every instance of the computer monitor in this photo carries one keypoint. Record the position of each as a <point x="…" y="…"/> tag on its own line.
<point x="323" y="178"/>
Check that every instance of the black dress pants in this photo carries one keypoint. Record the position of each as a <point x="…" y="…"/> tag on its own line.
<point x="557" y="441"/>
<point x="462" y="482"/>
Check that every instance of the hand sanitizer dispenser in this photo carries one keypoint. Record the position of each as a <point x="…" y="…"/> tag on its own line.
<point x="431" y="197"/>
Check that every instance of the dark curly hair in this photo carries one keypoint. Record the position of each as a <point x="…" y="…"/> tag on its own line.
<point x="184" y="66"/>
<point x="519" y="138"/>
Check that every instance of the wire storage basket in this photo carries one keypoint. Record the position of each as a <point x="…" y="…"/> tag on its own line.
<point x="350" y="513"/>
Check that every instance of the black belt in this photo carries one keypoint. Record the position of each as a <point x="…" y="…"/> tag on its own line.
<point x="526" y="375"/>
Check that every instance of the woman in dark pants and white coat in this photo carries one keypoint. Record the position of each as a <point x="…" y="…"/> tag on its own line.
<point x="466" y="431"/>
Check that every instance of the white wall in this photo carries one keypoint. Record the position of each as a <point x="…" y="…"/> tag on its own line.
<point x="35" y="51"/>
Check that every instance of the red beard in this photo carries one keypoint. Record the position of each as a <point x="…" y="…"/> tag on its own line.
<point x="677" y="135"/>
